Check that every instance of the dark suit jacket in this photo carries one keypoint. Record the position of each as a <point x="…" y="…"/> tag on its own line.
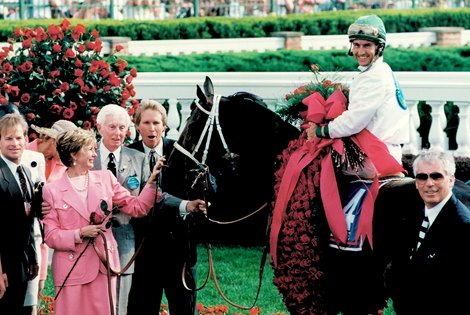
<point x="436" y="278"/>
<point x="166" y="231"/>
<point x="17" y="247"/>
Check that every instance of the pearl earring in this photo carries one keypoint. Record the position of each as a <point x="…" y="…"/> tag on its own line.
<point x="74" y="162"/>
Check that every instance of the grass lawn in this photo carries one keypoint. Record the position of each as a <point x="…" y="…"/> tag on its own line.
<point x="237" y="270"/>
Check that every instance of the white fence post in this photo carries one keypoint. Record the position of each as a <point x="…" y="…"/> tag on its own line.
<point x="436" y="133"/>
<point x="173" y="119"/>
<point x="415" y="139"/>
<point x="463" y="131"/>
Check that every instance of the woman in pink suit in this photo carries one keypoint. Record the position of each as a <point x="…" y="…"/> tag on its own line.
<point x="68" y="227"/>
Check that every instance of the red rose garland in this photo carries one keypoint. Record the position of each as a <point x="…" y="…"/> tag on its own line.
<point x="298" y="274"/>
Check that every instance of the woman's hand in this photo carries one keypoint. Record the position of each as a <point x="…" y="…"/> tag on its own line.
<point x="311" y="131"/>
<point x="156" y="170"/>
<point x="90" y="231"/>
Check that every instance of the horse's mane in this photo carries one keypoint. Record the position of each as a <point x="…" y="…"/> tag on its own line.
<point x="238" y="96"/>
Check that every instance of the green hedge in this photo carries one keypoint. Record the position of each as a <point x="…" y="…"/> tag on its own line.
<point x="320" y="23"/>
<point x="422" y="59"/>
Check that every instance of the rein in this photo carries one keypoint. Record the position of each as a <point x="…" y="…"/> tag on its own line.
<point x="203" y="173"/>
<point x="211" y="272"/>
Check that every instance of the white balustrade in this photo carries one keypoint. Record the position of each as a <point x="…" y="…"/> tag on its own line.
<point x="435" y="88"/>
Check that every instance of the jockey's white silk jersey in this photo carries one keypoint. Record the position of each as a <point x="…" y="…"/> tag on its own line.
<point x="373" y="105"/>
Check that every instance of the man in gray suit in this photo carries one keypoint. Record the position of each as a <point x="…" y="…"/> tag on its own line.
<point x="127" y="165"/>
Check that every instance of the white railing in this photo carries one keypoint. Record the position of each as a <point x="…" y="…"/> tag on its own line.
<point x="436" y="88"/>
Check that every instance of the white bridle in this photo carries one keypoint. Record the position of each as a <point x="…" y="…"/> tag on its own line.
<point x="212" y="119"/>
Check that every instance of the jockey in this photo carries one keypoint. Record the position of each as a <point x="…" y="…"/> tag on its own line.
<point x="375" y="99"/>
<point x="376" y="113"/>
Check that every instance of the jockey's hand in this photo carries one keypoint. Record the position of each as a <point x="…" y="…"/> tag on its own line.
<point x="311" y="131"/>
<point x="196" y="205"/>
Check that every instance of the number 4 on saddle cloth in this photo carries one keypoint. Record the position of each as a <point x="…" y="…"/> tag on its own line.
<point x="353" y="194"/>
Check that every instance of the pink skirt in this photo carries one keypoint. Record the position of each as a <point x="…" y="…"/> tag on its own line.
<point x="90" y="298"/>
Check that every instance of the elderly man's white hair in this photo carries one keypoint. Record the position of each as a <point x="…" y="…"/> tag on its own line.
<point x="114" y="111"/>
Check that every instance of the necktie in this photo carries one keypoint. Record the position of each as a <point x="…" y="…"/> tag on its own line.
<point x="152" y="160"/>
<point x="422" y="231"/>
<point x="24" y="186"/>
<point x="112" y="164"/>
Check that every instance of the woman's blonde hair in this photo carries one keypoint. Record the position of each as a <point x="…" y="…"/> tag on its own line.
<point x="71" y="142"/>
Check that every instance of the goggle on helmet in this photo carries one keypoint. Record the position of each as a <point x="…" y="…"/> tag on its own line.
<point x="369" y="28"/>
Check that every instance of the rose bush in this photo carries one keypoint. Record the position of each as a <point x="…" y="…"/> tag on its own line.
<point x="60" y="73"/>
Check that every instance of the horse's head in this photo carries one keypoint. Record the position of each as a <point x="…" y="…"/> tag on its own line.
<point x="238" y="138"/>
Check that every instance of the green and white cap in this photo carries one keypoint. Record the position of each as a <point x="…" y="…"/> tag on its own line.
<point x="368" y="27"/>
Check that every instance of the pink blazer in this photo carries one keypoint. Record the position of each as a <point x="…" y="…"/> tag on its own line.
<point x="69" y="213"/>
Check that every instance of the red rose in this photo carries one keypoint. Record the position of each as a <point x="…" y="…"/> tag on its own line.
<point x="64" y="87"/>
<point x="133" y="72"/>
<point x="54" y="73"/>
<point x="65" y="25"/>
<point x="30" y="117"/>
<point x="98" y="45"/>
<point x="73" y="105"/>
<point x="90" y="45"/>
<point x="25" y="98"/>
<point x="56" y="109"/>
<point x="27" y="66"/>
<point x="78" y="73"/>
<point x="119" y="48"/>
<point x="7" y="67"/>
<point x="56" y="48"/>
<point x="78" y="31"/>
<point x="27" y="43"/>
<point x="86" y="125"/>
<point x="69" y="54"/>
<point x="81" y="48"/>
<point x="78" y="63"/>
<point x="95" y="34"/>
<point x="68" y="113"/>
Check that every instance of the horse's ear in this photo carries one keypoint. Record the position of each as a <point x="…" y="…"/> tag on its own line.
<point x="200" y="94"/>
<point x="208" y="87"/>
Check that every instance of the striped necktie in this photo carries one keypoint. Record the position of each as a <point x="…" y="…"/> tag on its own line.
<point x="422" y="231"/>
<point x="23" y="184"/>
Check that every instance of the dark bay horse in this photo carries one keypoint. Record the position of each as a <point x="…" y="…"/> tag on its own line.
<point x="240" y="159"/>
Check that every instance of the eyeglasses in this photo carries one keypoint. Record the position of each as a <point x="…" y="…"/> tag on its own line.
<point x="435" y="176"/>
<point x="356" y="29"/>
